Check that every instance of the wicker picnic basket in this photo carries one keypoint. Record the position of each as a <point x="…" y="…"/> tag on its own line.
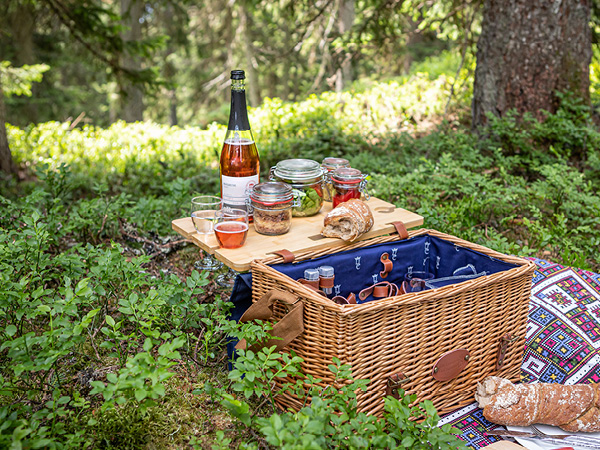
<point x="414" y="341"/>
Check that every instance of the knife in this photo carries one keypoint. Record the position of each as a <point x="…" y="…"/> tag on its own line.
<point x="570" y="440"/>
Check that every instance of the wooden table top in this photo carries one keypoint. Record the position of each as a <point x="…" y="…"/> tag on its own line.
<point x="304" y="235"/>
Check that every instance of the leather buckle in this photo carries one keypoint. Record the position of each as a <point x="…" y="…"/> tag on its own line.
<point x="504" y="341"/>
<point x="394" y="382"/>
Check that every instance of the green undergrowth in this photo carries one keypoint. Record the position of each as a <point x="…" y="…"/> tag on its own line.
<point x="100" y="350"/>
<point x="108" y="339"/>
<point x="521" y="186"/>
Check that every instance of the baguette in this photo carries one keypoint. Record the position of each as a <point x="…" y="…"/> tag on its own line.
<point x="573" y="408"/>
<point x="348" y="220"/>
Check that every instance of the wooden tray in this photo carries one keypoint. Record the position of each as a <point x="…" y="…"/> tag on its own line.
<point x="303" y="235"/>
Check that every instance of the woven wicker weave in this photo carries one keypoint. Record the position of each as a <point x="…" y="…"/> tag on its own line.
<point x="408" y="333"/>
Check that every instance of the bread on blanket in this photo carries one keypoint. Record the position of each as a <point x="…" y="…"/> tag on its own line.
<point x="571" y="407"/>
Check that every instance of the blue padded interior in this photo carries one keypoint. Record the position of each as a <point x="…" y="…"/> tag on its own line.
<point x="359" y="268"/>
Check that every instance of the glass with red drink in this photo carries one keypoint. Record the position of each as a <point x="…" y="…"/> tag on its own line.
<point x="231" y="227"/>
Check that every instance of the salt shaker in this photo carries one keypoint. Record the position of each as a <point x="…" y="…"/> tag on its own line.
<point x="311" y="276"/>
<point x="326" y="276"/>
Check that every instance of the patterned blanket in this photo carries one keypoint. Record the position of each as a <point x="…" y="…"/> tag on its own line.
<point x="563" y="340"/>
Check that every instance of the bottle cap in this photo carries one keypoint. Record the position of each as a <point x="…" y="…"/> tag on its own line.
<point x="326" y="271"/>
<point x="311" y="274"/>
<point x="238" y="75"/>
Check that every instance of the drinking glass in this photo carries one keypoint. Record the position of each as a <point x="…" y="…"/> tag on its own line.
<point x="231" y="227"/>
<point x="415" y="281"/>
<point x="227" y="279"/>
<point x="203" y="212"/>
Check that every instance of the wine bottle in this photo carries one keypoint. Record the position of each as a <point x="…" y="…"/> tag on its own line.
<point x="239" y="165"/>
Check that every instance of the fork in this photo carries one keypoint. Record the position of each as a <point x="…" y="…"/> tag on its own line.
<point x="568" y="437"/>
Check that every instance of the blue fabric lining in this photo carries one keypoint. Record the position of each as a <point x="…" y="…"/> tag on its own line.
<point x="359" y="268"/>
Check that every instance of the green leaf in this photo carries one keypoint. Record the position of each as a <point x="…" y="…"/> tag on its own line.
<point x="408" y="441"/>
<point x="110" y="321"/>
<point x="148" y="344"/>
<point x="159" y="389"/>
<point x="11" y="330"/>
<point x="140" y="394"/>
<point x="112" y="377"/>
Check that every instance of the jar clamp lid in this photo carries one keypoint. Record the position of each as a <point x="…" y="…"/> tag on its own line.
<point x="331" y="163"/>
<point x="298" y="170"/>
<point x="348" y="178"/>
<point x="271" y="193"/>
<point x="347" y="175"/>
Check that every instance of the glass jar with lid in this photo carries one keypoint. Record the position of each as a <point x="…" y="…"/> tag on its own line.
<point x="330" y="164"/>
<point x="306" y="178"/>
<point x="272" y="203"/>
<point x="348" y="183"/>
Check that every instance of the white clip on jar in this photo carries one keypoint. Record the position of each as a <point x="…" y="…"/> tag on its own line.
<point x="272" y="203"/>
<point x="330" y="164"/>
<point x="306" y="178"/>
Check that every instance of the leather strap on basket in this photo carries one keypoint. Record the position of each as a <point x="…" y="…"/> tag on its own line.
<point x="382" y="289"/>
<point x="401" y="229"/>
<point x="394" y="383"/>
<point x="314" y="285"/>
<point x="388" y="265"/>
<point x="289" y="326"/>
<point x="341" y="300"/>
<point x="287" y="256"/>
<point x="503" y="347"/>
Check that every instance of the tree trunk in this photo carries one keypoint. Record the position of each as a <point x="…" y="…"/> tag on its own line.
<point x="527" y="52"/>
<point x="22" y="22"/>
<point x="132" y="96"/>
<point x="6" y="162"/>
<point x="173" y="107"/>
<point x="252" y="86"/>
<point x="345" y="21"/>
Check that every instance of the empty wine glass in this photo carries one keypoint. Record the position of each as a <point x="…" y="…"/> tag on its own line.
<point x="203" y="211"/>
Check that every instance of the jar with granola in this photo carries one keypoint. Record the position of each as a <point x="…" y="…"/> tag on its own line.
<point x="272" y="203"/>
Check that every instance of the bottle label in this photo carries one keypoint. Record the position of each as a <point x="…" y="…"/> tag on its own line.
<point x="235" y="190"/>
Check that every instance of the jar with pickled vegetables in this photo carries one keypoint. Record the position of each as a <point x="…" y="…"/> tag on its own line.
<point x="330" y="164"/>
<point x="306" y="178"/>
<point x="348" y="183"/>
